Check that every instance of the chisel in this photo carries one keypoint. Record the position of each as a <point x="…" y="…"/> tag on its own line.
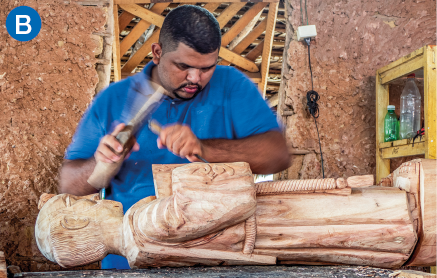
<point x="156" y="128"/>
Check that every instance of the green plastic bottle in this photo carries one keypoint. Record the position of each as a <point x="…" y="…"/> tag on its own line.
<point x="391" y="130"/>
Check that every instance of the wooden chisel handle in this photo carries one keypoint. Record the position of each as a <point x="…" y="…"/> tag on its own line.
<point x="104" y="172"/>
<point x="156" y="128"/>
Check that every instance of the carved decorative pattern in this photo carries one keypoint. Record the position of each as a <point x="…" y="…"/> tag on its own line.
<point x="287" y="186"/>
<point x="249" y="242"/>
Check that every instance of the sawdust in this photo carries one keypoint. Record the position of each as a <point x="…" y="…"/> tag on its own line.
<point x="45" y="86"/>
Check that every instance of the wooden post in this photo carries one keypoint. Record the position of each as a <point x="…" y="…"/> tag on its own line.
<point x="116" y="46"/>
<point x="382" y="165"/>
<point x="268" y="41"/>
<point x="430" y="101"/>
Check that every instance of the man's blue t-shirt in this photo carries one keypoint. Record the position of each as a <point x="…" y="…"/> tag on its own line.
<point x="229" y="107"/>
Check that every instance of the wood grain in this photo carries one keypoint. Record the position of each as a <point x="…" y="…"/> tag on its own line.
<point x="228" y="13"/>
<point x="242" y="22"/>
<point x="360" y="181"/>
<point x="267" y="49"/>
<point x="116" y="47"/>
<point x="140" y="28"/>
<point x="236" y="59"/>
<point x="3" y="271"/>
<point x="346" y="256"/>
<point x="425" y="252"/>
<point x="162" y="178"/>
<point x="430" y="100"/>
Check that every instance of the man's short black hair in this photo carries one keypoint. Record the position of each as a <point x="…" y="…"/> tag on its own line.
<point x="192" y="25"/>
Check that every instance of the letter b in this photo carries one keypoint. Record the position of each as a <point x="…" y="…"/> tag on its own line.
<point x="19" y="24"/>
<point x="23" y="23"/>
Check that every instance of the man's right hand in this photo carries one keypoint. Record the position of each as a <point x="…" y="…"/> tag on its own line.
<point x="110" y="150"/>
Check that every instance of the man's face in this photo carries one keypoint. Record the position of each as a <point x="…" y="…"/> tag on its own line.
<point x="184" y="72"/>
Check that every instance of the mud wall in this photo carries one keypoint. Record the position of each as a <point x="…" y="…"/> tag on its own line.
<point x="45" y="86"/>
<point x="354" y="39"/>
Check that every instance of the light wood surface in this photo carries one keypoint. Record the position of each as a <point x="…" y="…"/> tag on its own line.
<point x="228" y="13"/>
<point x="3" y="271"/>
<point x="430" y="101"/>
<point x="243" y="44"/>
<point x="123" y="20"/>
<point x="242" y="22"/>
<point x="268" y="41"/>
<point x="360" y="181"/>
<point x="236" y="59"/>
<point x="144" y="50"/>
<point x="140" y="28"/>
<point x="116" y="46"/>
<point x="382" y="91"/>
<point x="210" y="214"/>
<point x="425" y="252"/>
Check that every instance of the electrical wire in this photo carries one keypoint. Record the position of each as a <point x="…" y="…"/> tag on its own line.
<point x="301" y="13"/>
<point x="313" y="106"/>
<point x="306" y="12"/>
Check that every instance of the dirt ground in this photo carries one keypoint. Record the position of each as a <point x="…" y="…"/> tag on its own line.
<point x="45" y="86"/>
<point x="354" y="39"/>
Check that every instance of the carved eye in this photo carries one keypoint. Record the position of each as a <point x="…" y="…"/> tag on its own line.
<point x="74" y="222"/>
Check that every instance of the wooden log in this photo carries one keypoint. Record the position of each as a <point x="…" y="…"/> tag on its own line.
<point x="395" y="238"/>
<point x="370" y="205"/>
<point x="360" y="181"/>
<point x="425" y="251"/>
<point x="3" y="271"/>
<point x="344" y="256"/>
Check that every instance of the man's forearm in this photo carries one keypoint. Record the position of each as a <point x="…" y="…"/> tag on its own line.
<point x="266" y="153"/>
<point x="74" y="175"/>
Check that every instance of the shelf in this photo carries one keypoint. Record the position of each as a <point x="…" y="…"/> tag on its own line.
<point x="422" y="62"/>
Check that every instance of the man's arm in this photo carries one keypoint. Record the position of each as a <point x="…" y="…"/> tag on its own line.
<point x="75" y="173"/>
<point x="266" y="153"/>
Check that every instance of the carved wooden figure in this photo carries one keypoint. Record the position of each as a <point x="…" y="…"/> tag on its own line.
<point x="213" y="214"/>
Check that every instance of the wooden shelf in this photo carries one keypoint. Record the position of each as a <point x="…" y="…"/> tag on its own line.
<point x="422" y="63"/>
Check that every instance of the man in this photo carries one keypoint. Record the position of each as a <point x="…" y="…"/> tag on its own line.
<point x="212" y="111"/>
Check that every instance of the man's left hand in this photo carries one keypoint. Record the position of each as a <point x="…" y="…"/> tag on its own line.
<point x="180" y="140"/>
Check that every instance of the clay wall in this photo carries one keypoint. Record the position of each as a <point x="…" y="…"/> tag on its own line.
<point x="354" y="39"/>
<point x="45" y="86"/>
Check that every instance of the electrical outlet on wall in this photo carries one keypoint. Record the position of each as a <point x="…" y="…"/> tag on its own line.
<point x="307" y="31"/>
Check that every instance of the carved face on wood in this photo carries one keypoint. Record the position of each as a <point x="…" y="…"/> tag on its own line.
<point x="72" y="228"/>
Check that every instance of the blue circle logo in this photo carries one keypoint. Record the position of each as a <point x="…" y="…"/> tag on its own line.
<point x="23" y="23"/>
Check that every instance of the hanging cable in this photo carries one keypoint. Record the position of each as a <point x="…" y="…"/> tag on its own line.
<point x="301" y="13"/>
<point x="306" y="12"/>
<point x="313" y="106"/>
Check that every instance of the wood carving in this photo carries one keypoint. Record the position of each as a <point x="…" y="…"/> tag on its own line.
<point x="213" y="214"/>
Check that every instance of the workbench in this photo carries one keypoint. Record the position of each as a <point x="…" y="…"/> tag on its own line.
<point x="226" y="271"/>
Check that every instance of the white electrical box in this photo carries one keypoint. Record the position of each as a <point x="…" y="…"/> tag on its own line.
<point x="307" y="31"/>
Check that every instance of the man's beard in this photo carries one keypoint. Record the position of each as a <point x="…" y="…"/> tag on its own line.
<point x="199" y="88"/>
